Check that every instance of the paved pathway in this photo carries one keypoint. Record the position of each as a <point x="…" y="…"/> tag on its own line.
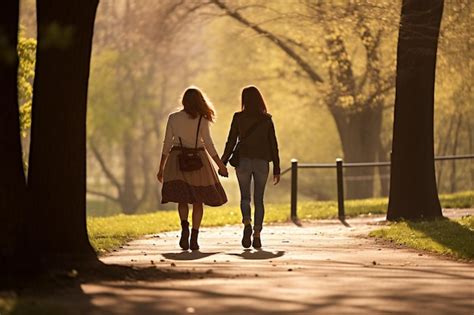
<point x="320" y="268"/>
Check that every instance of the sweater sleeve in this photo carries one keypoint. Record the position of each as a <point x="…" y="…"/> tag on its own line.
<point x="206" y="137"/>
<point x="168" y="141"/>
<point x="274" y="149"/>
<point x="231" y="140"/>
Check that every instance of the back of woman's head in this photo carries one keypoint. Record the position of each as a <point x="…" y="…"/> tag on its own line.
<point x="252" y="100"/>
<point x="196" y="104"/>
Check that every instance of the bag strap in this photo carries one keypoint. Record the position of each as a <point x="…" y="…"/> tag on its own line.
<point x="197" y="132"/>
<point x="252" y="129"/>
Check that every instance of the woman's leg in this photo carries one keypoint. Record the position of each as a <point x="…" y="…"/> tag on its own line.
<point x="260" y="176"/>
<point x="183" y="211"/>
<point x="197" y="217"/>
<point x="244" y="175"/>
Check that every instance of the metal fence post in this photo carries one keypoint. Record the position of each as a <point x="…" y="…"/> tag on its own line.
<point x="340" y="189"/>
<point x="294" y="188"/>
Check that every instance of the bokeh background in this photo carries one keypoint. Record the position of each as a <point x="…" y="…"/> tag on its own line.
<point x="146" y="52"/>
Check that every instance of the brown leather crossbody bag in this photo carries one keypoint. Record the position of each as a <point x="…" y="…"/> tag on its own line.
<point x="189" y="159"/>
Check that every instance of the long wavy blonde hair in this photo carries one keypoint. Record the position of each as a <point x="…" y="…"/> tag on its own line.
<point x="196" y="103"/>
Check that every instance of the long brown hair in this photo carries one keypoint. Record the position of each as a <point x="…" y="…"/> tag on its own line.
<point x="252" y="100"/>
<point x="195" y="104"/>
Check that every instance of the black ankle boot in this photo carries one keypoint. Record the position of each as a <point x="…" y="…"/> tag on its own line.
<point x="257" y="242"/>
<point x="184" y="240"/>
<point x="246" y="241"/>
<point x="194" y="239"/>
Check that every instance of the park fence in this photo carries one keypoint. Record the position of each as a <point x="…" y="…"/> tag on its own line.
<point x="339" y="167"/>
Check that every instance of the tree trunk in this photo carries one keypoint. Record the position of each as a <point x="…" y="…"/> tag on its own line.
<point x="455" y="150"/>
<point x="413" y="191"/>
<point x="383" y="156"/>
<point x="443" y="150"/>
<point x="12" y="178"/>
<point x="128" y="199"/>
<point x="57" y="173"/>
<point x="359" y="132"/>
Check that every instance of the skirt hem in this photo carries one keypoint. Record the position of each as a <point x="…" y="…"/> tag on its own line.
<point x="180" y="191"/>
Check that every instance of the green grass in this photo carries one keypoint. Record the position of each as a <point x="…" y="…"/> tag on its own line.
<point x="13" y="305"/>
<point x="107" y="233"/>
<point x="453" y="238"/>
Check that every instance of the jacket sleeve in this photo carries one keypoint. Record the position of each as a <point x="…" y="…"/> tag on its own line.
<point x="231" y="140"/>
<point x="206" y="137"/>
<point x="274" y="149"/>
<point x="168" y="141"/>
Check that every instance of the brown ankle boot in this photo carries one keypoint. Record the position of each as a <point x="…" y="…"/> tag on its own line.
<point x="184" y="240"/>
<point x="194" y="239"/>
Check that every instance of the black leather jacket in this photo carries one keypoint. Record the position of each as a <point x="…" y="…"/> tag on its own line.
<point x="260" y="144"/>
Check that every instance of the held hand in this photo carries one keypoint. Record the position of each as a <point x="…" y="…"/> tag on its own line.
<point x="223" y="171"/>
<point x="159" y="176"/>
<point x="276" y="179"/>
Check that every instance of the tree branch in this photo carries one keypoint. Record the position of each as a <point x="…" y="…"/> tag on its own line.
<point x="315" y="77"/>
<point x="111" y="177"/>
<point x="102" y="194"/>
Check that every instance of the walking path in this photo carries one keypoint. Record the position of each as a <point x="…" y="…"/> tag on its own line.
<point x="320" y="268"/>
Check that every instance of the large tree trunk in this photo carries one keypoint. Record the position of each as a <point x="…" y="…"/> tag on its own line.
<point x="413" y="191"/>
<point x="128" y="199"/>
<point x="12" y="178"/>
<point x="359" y="132"/>
<point x="57" y="173"/>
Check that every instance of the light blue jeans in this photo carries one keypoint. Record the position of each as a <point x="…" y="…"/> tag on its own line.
<point x="258" y="170"/>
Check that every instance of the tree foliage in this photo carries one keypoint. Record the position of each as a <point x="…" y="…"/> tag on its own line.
<point x="26" y="71"/>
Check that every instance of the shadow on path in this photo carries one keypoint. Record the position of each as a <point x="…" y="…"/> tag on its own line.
<point x="185" y="255"/>
<point x="259" y="254"/>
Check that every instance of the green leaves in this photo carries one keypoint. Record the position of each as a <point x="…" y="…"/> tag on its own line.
<point x="26" y="71"/>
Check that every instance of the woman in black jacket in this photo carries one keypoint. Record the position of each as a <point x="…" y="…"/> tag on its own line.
<point x="254" y="128"/>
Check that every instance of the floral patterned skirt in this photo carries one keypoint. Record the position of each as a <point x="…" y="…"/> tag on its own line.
<point x="201" y="186"/>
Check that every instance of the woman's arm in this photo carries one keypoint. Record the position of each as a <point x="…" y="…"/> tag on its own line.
<point x="275" y="153"/>
<point x="162" y="166"/>
<point x="222" y="168"/>
<point x="206" y="137"/>
<point x="231" y="140"/>
<point x="167" y="143"/>
<point x="209" y="144"/>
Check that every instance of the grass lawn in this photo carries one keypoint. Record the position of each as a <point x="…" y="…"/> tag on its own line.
<point x="453" y="238"/>
<point x="107" y="233"/>
<point x="15" y="305"/>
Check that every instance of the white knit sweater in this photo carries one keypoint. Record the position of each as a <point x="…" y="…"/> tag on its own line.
<point x="180" y="124"/>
